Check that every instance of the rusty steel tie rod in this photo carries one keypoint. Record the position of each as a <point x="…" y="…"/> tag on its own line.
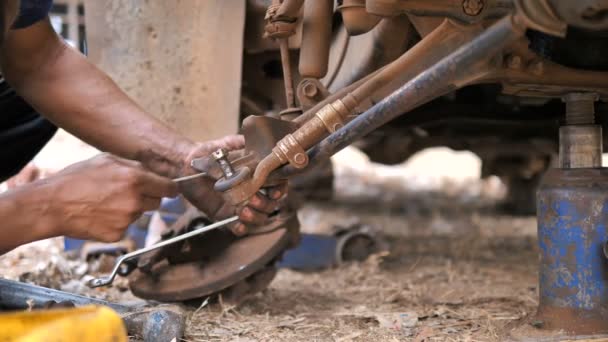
<point x="452" y="72"/>
<point x="199" y="229"/>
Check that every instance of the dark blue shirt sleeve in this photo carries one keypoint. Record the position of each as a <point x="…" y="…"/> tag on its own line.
<point x="31" y="12"/>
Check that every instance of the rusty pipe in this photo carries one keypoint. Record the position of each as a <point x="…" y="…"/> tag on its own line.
<point x="316" y="38"/>
<point x="443" y="77"/>
<point x="263" y="170"/>
<point x="309" y="114"/>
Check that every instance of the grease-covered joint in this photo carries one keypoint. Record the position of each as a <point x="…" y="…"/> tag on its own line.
<point x="279" y="30"/>
<point x="289" y="150"/>
<point x="282" y="19"/>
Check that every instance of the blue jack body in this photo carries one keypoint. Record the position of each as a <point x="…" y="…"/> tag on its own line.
<point x="572" y="230"/>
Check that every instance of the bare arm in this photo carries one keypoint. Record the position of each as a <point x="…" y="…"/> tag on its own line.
<point x="61" y="84"/>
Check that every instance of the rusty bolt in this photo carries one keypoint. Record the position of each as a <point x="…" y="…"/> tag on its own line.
<point x="514" y="62"/>
<point x="472" y="7"/>
<point x="310" y="89"/>
<point x="299" y="158"/>
<point x="537" y="67"/>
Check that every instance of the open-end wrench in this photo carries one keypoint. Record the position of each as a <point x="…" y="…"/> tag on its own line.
<point x="199" y="229"/>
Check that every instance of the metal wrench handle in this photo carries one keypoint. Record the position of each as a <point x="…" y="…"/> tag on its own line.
<point x="107" y="280"/>
<point x="185" y="178"/>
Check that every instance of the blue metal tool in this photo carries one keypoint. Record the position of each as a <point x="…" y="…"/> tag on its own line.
<point x="572" y="212"/>
<point x="572" y="231"/>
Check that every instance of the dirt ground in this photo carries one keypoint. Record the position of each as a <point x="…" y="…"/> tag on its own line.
<point x="455" y="269"/>
<point x="467" y="276"/>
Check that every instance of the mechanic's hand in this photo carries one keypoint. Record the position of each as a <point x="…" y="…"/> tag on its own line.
<point x="98" y="198"/>
<point x="199" y="191"/>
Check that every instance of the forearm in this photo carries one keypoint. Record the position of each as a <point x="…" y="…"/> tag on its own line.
<point x="24" y="217"/>
<point x="97" y="111"/>
<point x="78" y="97"/>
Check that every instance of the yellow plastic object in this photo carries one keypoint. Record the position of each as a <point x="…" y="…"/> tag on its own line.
<point x="82" y="324"/>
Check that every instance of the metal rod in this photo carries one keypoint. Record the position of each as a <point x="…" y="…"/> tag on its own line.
<point x="185" y="178"/>
<point x="17" y="295"/>
<point x="287" y="78"/>
<point x="448" y="74"/>
<point x="107" y="280"/>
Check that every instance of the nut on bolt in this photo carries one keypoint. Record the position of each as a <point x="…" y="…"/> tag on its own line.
<point x="300" y="158"/>
<point x="472" y="7"/>
<point x="310" y="89"/>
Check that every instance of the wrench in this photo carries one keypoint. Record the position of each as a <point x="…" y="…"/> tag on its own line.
<point x="199" y="229"/>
